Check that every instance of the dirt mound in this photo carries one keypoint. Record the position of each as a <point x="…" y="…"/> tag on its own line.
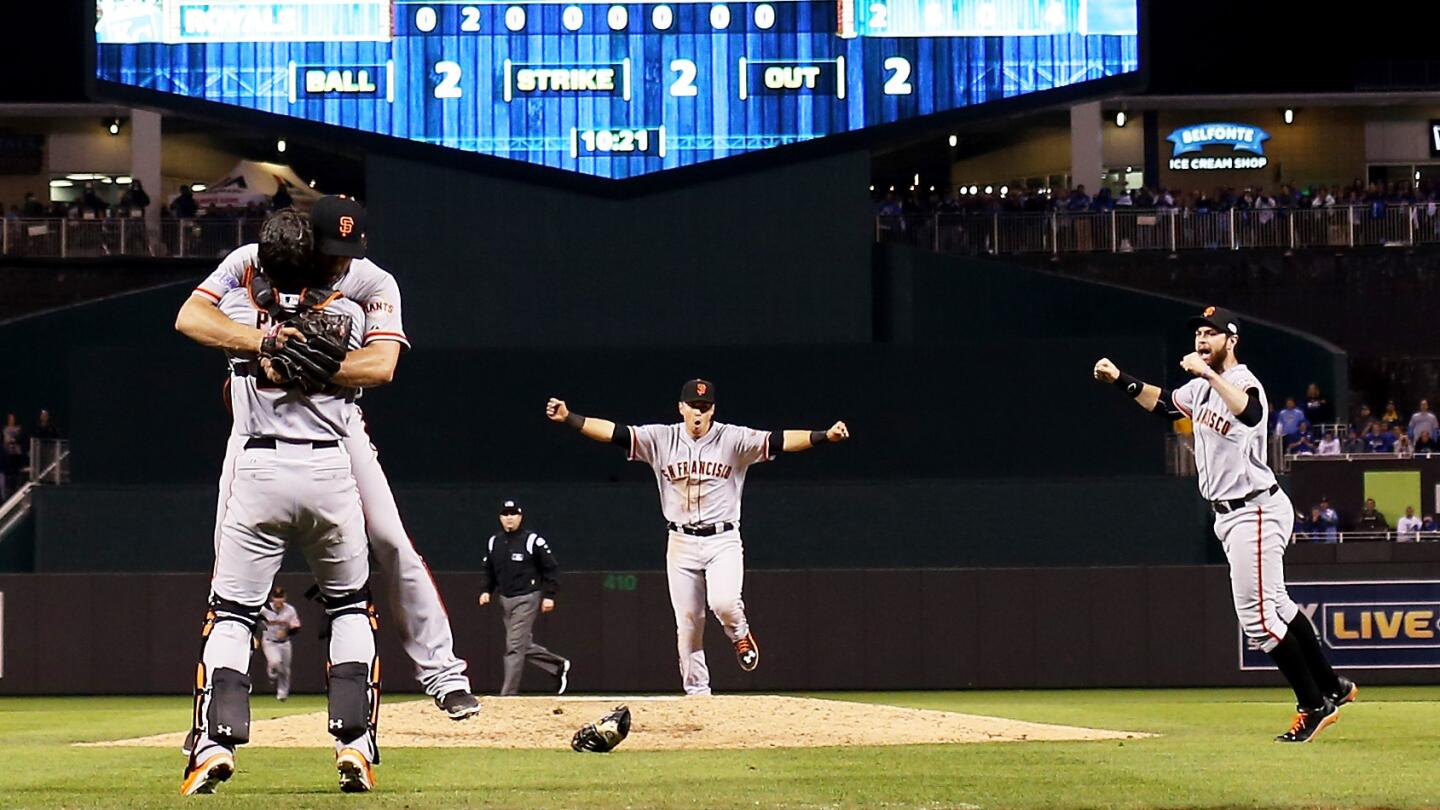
<point x="664" y="724"/>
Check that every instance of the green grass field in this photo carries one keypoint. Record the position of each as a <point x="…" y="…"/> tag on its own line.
<point x="1215" y="751"/>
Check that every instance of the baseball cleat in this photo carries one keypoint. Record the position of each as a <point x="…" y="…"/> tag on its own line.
<point x="459" y="704"/>
<point x="188" y="747"/>
<point x="356" y="775"/>
<point x="1346" y="693"/>
<point x="747" y="652"/>
<point x="564" y="677"/>
<point x="1309" y="723"/>
<point x="203" y="778"/>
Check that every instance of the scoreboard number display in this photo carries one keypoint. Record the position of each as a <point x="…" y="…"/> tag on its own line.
<point x="611" y="89"/>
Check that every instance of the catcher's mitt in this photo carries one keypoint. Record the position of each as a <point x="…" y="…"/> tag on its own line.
<point x="312" y="362"/>
<point x="605" y="735"/>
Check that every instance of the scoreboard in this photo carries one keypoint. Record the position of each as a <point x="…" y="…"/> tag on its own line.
<point x="611" y="89"/>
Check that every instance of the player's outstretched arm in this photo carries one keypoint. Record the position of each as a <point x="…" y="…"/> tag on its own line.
<point x="202" y="321"/>
<point x="1152" y="398"/>
<point x="797" y="440"/>
<point x="369" y="366"/>
<point x="601" y="430"/>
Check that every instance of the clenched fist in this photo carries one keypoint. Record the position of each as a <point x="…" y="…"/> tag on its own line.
<point x="1196" y="365"/>
<point x="1105" y="371"/>
<point x="556" y="411"/>
<point x="838" y="432"/>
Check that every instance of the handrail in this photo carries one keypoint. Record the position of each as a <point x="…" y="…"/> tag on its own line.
<point x="1128" y="229"/>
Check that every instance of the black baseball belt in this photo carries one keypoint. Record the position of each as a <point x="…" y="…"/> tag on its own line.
<point x="268" y="443"/>
<point x="702" y="529"/>
<point x="1225" y="507"/>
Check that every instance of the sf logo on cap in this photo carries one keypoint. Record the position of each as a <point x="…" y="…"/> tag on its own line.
<point x="1209" y="311"/>
<point x="700" y="388"/>
<point x="347" y="225"/>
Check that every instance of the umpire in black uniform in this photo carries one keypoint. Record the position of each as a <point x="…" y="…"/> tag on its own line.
<point x="521" y="569"/>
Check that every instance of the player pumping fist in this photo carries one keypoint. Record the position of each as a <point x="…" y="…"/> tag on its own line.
<point x="1253" y="516"/>
<point x="700" y="467"/>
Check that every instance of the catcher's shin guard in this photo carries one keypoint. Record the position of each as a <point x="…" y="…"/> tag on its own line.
<point x="222" y="699"/>
<point x="353" y="686"/>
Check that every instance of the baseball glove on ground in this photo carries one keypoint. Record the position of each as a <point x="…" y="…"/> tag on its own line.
<point x="605" y="735"/>
<point x="310" y="363"/>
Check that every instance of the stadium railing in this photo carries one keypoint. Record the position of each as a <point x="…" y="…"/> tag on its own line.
<point x="59" y="238"/>
<point x="1126" y="230"/>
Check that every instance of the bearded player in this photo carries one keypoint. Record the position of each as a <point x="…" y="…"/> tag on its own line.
<point x="700" y="467"/>
<point x="1254" y="518"/>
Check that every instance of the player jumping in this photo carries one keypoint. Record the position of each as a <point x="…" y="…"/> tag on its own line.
<point x="700" y="467"/>
<point x="1254" y="518"/>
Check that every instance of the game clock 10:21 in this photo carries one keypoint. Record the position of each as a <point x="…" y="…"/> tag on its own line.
<point x="611" y="89"/>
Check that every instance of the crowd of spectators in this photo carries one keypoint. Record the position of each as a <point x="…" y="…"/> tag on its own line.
<point x="133" y="202"/>
<point x="1323" y="524"/>
<point x="1375" y="197"/>
<point x="1313" y="429"/>
<point x="15" y="449"/>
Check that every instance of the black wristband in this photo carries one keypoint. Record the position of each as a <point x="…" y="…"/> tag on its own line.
<point x="1130" y="385"/>
<point x="575" y="420"/>
<point x="819" y="437"/>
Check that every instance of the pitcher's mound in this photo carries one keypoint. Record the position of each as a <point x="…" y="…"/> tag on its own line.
<point x="665" y="724"/>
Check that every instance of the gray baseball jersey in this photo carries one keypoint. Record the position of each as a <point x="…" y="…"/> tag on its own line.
<point x="275" y="620"/>
<point x="366" y="283"/>
<point x="262" y="409"/>
<point x="701" y="480"/>
<point x="418" y="610"/>
<point x="1229" y="456"/>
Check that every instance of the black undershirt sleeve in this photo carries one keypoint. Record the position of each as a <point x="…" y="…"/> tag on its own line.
<point x="621" y="436"/>
<point x="1254" y="412"/>
<point x="1165" y="407"/>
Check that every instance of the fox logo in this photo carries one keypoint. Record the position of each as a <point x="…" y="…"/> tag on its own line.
<point x="347" y="226"/>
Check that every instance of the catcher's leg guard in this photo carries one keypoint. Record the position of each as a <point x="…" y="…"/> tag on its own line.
<point x="354" y="672"/>
<point x="228" y="715"/>
<point x="222" y="687"/>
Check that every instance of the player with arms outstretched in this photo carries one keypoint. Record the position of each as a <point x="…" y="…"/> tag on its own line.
<point x="700" y="467"/>
<point x="1254" y="518"/>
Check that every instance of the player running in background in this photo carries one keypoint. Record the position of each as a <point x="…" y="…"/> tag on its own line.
<point x="700" y="467"/>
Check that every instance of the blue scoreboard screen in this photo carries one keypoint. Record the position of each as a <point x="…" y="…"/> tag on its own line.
<point x="611" y="89"/>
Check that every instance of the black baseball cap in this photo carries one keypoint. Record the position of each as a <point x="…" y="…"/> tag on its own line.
<point x="1221" y="320"/>
<point x="698" y="391"/>
<point x="339" y="224"/>
<point x="511" y="508"/>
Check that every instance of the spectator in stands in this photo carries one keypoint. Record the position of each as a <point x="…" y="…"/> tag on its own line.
<point x="1302" y="443"/>
<point x="1407" y="527"/>
<point x="1353" y="443"/>
<point x="1371" y="519"/>
<point x="32" y="209"/>
<point x="44" y="428"/>
<point x="1426" y="443"/>
<point x="90" y="202"/>
<point x="1390" y="416"/>
<point x="185" y="206"/>
<point x="135" y="198"/>
<point x="1317" y="407"/>
<point x="1288" y="420"/>
<point x="1307" y="529"/>
<point x="1400" y="443"/>
<point x="1378" y="439"/>
<point x="1423" y="420"/>
<point x="1363" y="417"/>
<point x="12" y="448"/>
<point x="1329" y="522"/>
<point x="1330" y="445"/>
<point x="1428" y="528"/>
<point x="282" y="198"/>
